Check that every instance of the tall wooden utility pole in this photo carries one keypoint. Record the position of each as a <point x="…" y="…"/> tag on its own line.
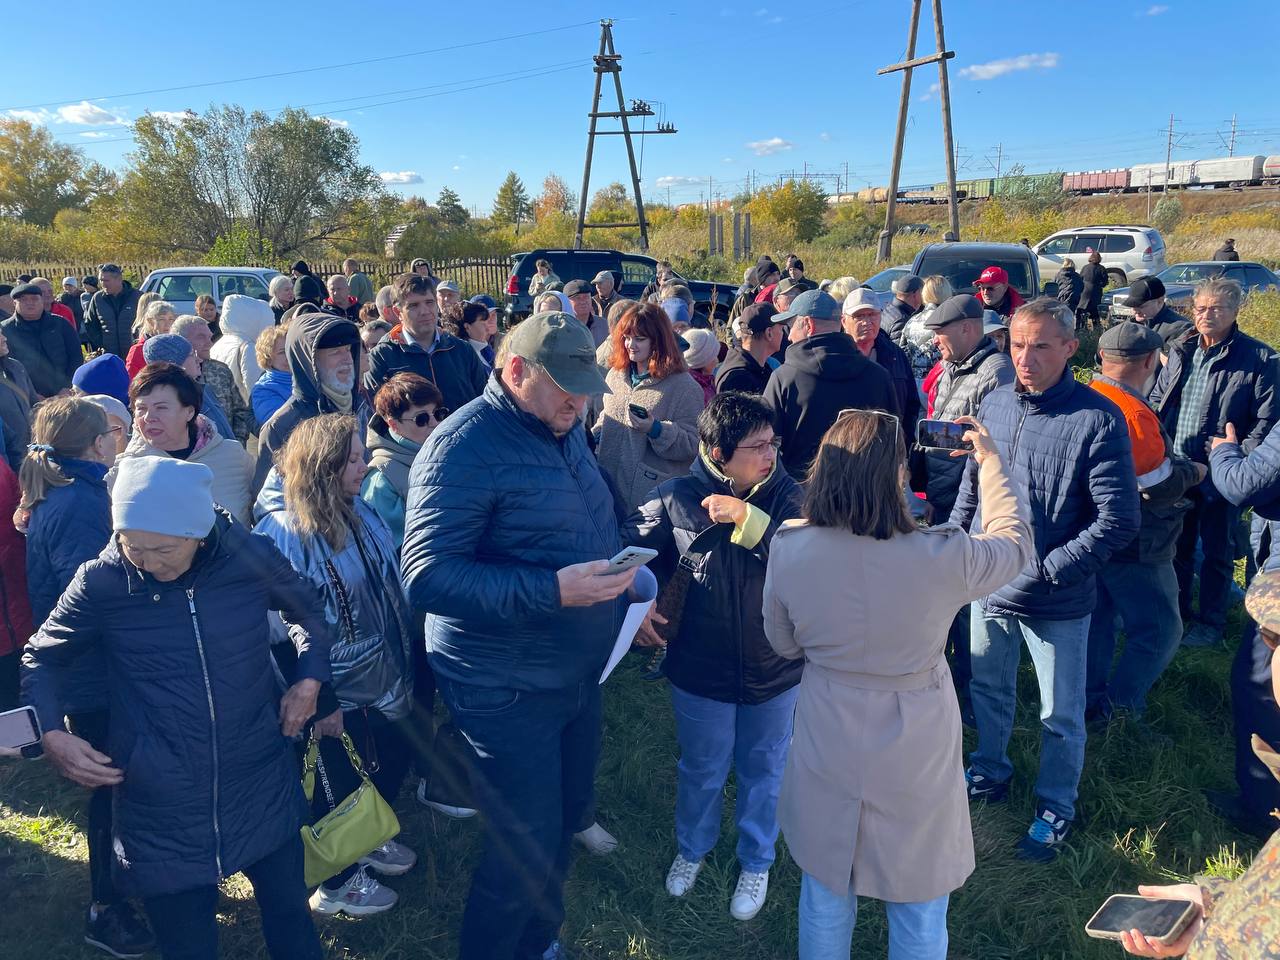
<point x="608" y="61"/>
<point x="885" y="249"/>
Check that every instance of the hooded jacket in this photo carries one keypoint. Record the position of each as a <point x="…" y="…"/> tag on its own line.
<point x="307" y="400"/>
<point x="269" y="394"/>
<point x="721" y="651"/>
<point x="386" y="485"/>
<point x="243" y="319"/>
<point x="458" y="373"/>
<point x="821" y="376"/>
<point x="47" y="348"/>
<point x="1070" y="287"/>
<point x="1226" y="252"/>
<point x="1094" y="276"/>
<point x="15" y="605"/>
<point x="374" y="668"/>
<point x="17" y="396"/>
<point x="1068" y="449"/>
<point x="108" y="321"/>
<point x="497" y="504"/>
<point x="210" y="783"/>
<point x="740" y="371"/>
<point x="232" y="467"/>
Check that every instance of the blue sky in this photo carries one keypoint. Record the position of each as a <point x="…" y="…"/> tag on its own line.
<point x="759" y="88"/>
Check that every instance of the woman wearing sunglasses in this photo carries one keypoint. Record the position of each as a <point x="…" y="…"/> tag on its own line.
<point x="408" y="408"/>
<point x="873" y="802"/>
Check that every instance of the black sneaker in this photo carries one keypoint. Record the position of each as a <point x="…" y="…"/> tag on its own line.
<point x="118" y="930"/>
<point x="979" y="787"/>
<point x="653" y="669"/>
<point x="1044" y="838"/>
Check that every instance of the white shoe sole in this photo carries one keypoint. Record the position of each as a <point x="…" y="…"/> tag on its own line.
<point x="737" y="915"/>
<point x="115" y="953"/>
<point x="692" y="881"/>
<point x="388" y="869"/>
<point x="453" y="813"/>
<point x="330" y="908"/>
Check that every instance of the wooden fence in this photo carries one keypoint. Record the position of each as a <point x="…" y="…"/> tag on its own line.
<point x="474" y="275"/>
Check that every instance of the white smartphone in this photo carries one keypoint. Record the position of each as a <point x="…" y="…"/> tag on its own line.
<point x="1160" y="920"/>
<point x="19" y="728"/>
<point x="630" y="557"/>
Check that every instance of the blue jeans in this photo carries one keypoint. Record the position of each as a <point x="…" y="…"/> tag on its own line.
<point x="533" y="779"/>
<point x="1146" y="598"/>
<point x="1059" y="651"/>
<point x="917" y="931"/>
<point x="186" y="923"/>
<point x="755" y="739"/>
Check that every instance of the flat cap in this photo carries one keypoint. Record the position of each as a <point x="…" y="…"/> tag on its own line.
<point x="908" y="284"/>
<point x="26" y="290"/>
<point x="1130" y="339"/>
<point x="575" y="287"/>
<point x="963" y="306"/>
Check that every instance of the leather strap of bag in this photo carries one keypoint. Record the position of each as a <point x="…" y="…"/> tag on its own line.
<point x="344" y="606"/>
<point x="672" y="598"/>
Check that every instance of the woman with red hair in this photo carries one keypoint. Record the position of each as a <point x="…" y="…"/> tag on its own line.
<point x="647" y="432"/>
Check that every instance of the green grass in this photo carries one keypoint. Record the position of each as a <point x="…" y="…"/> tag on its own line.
<point x="1145" y="821"/>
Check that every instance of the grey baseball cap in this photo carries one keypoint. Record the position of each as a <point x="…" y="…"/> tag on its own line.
<point x="564" y="347"/>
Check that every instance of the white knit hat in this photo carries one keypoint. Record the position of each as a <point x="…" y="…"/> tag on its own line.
<point x="163" y="495"/>
<point x="703" y="348"/>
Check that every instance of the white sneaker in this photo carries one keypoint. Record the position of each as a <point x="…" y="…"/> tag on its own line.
<point x="457" y="813"/>
<point x="597" y="840"/>
<point x="360" y="896"/>
<point x="681" y="876"/>
<point x="749" y="895"/>
<point x="391" y="859"/>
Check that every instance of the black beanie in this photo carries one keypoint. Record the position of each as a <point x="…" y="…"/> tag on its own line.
<point x="308" y="288"/>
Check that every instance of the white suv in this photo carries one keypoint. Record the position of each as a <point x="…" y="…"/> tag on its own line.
<point x="1128" y="251"/>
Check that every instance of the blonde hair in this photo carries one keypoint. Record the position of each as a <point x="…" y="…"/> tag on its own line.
<point x="264" y="348"/>
<point x="144" y="300"/>
<point x="311" y="464"/>
<point x="151" y="315"/>
<point x="62" y="427"/>
<point x="841" y="287"/>
<point x="937" y="289"/>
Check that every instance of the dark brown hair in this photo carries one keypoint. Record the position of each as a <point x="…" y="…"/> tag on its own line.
<point x="403" y="392"/>
<point x="648" y="320"/>
<point x="165" y="375"/>
<point x="368" y="312"/>
<point x="462" y="313"/>
<point x="855" y="482"/>
<point x="408" y="284"/>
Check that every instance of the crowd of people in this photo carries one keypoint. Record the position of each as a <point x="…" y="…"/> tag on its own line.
<point x="266" y="525"/>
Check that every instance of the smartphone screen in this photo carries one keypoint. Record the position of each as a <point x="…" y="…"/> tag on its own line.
<point x="638" y="411"/>
<point x="18" y="728"/>
<point x="1158" y="919"/>
<point x="942" y="435"/>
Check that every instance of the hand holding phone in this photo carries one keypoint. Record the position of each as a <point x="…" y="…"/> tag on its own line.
<point x="1161" y="922"/>
<point x="639" y="417"/>
<point x="19" y="728"/>
<point x="943" y="435"/>
<point x="628" y="558"/>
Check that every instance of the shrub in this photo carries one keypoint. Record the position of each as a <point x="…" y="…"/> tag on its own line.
<point x="1167" y="214"/>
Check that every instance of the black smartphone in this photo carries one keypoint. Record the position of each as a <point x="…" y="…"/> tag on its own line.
<point x="942" y="435"/>
<point x="637" y="411"/>
<point x="1162" y="920"/>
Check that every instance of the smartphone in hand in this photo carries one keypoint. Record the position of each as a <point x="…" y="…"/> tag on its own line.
<point x="628" y="558"/>
<point x="943" y="435"/>
<point x="19" y="728"/>
<point x="1161" y="920"/>
<point x="637" y="411"/>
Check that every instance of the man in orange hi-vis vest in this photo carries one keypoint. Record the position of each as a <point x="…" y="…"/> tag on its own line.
<point x="1138" y="582"/>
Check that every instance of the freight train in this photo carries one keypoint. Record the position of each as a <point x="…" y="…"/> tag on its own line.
<point x="1216" y="173"/>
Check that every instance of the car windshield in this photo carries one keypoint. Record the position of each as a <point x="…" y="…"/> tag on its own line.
<point x="883" y="280"/>
<point x="962" y="271"/>
<point x="1190" y="272"/>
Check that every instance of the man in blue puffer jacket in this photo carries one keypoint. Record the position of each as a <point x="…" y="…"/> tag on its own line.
<point x="1068" y="447"/>
<point x="508" y="527"/>
<point x="1252" y="481"/>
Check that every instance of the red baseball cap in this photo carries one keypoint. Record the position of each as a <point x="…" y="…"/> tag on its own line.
<point x="992" y="275"/>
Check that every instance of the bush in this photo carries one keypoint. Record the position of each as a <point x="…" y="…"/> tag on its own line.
<point x="1260" y="317"/>
<point x="1167" y="214"/>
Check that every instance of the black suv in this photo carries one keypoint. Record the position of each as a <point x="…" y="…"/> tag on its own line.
<point x="962" y="262"/>
<point x="632" y="272"/>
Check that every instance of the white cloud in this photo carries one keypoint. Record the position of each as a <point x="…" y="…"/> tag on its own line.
<point x="762" y="11"/>
<point x="404" y="176"/>
<point x="95" y="134"/>
<point x="89" y="114"/>
<point x="456" y="167"/>
<point x="824" y="137"/>
<point x="767" y="148"/>
<point x="334" y="122"/>
<point x="1156" y="10"/>
<point x="776" y="19"/>
<point x="929" y="94"/>
<point x="36" y="117"/>
<point x="664" y="182"/>
<point x="998" y="68"/>
<point x="726" y="160"/>
<point x="172" y="116"/>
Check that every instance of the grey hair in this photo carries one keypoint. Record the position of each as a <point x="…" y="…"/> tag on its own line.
<point x="384" y="298"/>
<point x="336" y="276"/>
<point x="677" y="291"/>
<point x="1050" y="308"/>
<point x="185" y="323"/>
<point x="279" y="283"/>
<point x="153" y="313"/>
<point x="841" y="287"/>
<point x="549" y="297"/>
<point x="1223" y="288"/>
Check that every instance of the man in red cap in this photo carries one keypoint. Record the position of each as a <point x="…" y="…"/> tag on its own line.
<point x="996" y="293"/>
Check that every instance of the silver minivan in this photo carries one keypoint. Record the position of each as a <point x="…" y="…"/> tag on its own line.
<point x="182" y="285"/>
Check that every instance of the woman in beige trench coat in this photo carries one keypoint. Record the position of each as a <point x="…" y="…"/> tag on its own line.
<point x="873" y="798"/>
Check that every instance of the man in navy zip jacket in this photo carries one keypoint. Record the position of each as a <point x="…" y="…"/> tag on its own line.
<point x="1068" y="448"/>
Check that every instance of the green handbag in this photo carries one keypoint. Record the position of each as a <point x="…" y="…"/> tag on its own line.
<point x="360" y="823"/>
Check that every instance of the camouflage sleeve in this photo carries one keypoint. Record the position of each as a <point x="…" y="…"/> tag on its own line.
<point x="1211" y="889"/>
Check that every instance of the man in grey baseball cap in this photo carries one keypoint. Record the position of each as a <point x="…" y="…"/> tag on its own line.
<point x="508" y="530"/>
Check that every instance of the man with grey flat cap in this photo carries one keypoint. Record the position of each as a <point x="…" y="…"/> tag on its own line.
<point x="1138" y="581"/>
<point x="1147" y="298"/>
<point x="508" y="530"/>
<point x="908" y="298"/>
<point x="606" y="292"/>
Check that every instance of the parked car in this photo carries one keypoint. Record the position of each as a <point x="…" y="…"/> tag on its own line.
<point x="632" y="272"/>
<point x="181" y="285"/>
<point x="1180" y="280"/>
<point x="882" y="282"/>
<point x="961" y="263"/>
<point x="1128" y="251"/>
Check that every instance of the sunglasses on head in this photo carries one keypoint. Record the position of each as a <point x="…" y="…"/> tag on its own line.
<point x="425" y="417"/>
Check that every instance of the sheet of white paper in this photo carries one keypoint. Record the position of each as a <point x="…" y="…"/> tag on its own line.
<point x="644" y="591"/>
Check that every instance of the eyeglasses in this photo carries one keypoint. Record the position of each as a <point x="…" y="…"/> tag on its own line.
<point x="116" y="429"/>
<point x="775" y="443"/>
<point x="423" y="418"/>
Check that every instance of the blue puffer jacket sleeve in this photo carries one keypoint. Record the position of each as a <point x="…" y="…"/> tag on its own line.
<point x="73" y="633"/>
<point x="1249" y="481"/>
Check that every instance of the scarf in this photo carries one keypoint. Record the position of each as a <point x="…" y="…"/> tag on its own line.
<point x="340" y="398"/>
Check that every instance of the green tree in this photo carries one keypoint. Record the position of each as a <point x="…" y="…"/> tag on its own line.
<point x="797" y="205"/>
<point x="511" y="205"/>
<point x="556" y="198"/>
<point x="39" y="176"/>
<point x="611" y="204"/>
<point x="1167" y="214"/>
<point x="290" y="180"/>
<point x="452" y="212"/>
